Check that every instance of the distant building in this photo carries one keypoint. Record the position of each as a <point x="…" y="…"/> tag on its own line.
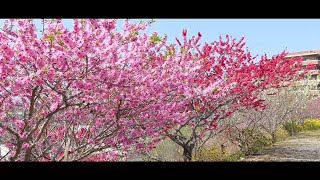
<point x="310" y="57"/>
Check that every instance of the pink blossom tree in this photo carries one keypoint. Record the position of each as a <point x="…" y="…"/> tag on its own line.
<point x="87" y="93"/>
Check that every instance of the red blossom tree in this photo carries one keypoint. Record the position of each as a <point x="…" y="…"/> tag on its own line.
<point x="229" y="78"/>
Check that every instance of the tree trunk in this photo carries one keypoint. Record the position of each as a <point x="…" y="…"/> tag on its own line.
<point x="18" y="150"/>
<point x="66" y="151"/>
<point x="274" y="139"/>
<point x="187" y="153"/>
<point x="28" y="155"/>
<point x="223" y="149"/>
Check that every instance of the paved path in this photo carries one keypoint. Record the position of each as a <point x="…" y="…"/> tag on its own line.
<point x="303" y="147"/>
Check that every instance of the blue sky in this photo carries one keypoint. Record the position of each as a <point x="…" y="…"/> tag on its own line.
<point x="261" y="35"/>
<point x="269" y="36"/>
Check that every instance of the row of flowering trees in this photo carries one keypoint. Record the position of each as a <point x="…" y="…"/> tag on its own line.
<point x="87" y="93"/>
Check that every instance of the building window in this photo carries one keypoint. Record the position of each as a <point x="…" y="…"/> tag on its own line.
<point x="313" y="77"/>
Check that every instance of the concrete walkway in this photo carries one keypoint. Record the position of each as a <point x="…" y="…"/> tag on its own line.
<point x="305" y="146"/>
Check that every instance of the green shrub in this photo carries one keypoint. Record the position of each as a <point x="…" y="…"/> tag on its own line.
<point x="309" y="124"/>
<point x="312" y="124"/>
<point x="261" y="140"/>
<point x="235" y="156"/>
<point x="166" y="150"/>
<point x="293" y="127"/>
<point x="281" y="133"/>
<point x="251" y="140"/>
<point x="209" y="154"/>
<point x="216" y="154"/>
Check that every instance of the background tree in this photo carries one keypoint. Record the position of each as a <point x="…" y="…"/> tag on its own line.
<point x="285" y="108"/>
<point x="289" y="105"/>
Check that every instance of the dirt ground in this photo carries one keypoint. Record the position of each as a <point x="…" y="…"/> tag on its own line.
<point x="304" y="146"/>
